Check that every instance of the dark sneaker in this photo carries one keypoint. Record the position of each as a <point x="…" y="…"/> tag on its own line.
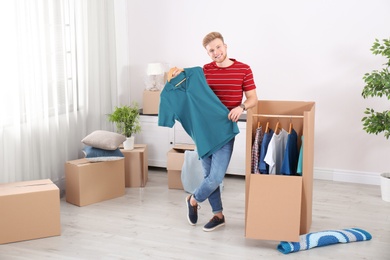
<point x="214" y="223"/>
<point x="192" y="212"/>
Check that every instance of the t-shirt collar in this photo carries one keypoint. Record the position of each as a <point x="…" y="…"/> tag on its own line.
<point x="216" y="66"/>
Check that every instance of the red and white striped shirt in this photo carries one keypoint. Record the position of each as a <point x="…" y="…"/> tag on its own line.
<point x="229" y="83"/>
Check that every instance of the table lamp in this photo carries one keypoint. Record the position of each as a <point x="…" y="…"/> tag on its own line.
<point x="155" y="76"/>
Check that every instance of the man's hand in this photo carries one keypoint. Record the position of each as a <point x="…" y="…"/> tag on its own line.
<point x="235" y="113"/>
<point x="173" y="72"/>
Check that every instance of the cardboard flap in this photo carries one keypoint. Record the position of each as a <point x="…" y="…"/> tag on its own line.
<point x="79" y="162"/>
<point x="274" y="207"/>
<point x="183" y="147"/>
<point x="26" y="187"/>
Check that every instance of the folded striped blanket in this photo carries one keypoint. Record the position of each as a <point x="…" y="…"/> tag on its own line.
<point x="324" y="238"/>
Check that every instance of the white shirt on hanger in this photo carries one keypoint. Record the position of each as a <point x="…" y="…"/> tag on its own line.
<point x="275" y="152"/>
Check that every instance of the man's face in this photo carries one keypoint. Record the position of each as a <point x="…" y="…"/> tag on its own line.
<point x="216" y="49"/>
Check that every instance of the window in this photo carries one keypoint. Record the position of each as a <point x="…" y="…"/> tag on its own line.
<point x="40" y="61"/>
<point x="63" y="87"/>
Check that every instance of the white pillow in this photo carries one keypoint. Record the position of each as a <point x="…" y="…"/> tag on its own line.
<point x="104" y="140"/>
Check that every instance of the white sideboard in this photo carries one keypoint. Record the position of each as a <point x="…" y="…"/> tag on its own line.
<point x="161" y="139"/>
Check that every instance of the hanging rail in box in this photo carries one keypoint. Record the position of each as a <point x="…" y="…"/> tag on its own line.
<point x="286" y="116"/>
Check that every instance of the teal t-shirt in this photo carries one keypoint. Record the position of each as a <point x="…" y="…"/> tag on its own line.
<point x="188" y="99"/>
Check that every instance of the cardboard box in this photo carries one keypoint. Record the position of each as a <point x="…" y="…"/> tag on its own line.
<point x="280" y="207"/>
<point x="29" y="210"/>
<point x="175" y="164"/>
<point x="92" y="182"/>
<point x="136" y="166"/>
<point x="151" y="102"/>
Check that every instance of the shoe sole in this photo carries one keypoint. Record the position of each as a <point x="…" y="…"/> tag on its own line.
<point x="214" y="228"/>
<point x="188" y="213"/>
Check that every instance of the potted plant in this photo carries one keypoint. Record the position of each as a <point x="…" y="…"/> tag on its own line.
<point x="126" y="119"/>
<point x="378" y="85"/>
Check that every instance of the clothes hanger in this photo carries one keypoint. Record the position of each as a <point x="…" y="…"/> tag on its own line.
<point x="180" y="82"/>
<point x="291" y="126"/>
<point x="266" y="128"/>
<point x="277" y="127"/>
<point x="258" y="125"/>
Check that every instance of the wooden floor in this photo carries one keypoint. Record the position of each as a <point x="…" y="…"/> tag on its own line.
<point x="150" y="223"/>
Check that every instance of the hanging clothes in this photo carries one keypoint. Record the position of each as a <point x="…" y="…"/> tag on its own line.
<point x="300" y="158"/>
<point x="256" y="150"/>
<point x="188" y="99"/>
<point x="275" y="152"/>
<point x="290" y="160"/>
<point x="263" y="166"/>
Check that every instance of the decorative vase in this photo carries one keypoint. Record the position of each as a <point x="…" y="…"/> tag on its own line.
<point x="385" y="186"/>
<point x="129" y="143"/>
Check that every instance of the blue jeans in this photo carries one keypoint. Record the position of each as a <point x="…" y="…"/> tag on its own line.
<point x="214" y="170"/>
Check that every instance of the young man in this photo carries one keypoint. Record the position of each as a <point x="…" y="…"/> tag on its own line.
<point x="229" y="79"/>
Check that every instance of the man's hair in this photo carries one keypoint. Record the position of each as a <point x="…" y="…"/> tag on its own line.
<point x="211" y="37"/>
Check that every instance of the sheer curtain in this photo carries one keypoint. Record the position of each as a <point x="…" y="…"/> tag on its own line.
<point x="59" y="84"/>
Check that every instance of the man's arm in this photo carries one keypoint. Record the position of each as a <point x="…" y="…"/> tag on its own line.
<point x="251" y="101"/>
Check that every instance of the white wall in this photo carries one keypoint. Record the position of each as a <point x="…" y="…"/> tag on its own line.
<point x="298" y="50"/>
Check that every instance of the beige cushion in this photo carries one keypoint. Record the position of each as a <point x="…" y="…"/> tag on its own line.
<point x="104" y="140"/>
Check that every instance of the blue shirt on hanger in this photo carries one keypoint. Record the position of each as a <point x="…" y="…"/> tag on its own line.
<point x="290" y="160"/>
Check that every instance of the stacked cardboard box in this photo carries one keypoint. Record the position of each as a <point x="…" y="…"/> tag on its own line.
<point x="151" y="102"/>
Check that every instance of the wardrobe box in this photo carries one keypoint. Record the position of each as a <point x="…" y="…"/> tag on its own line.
<point x="29" y="210"/>
<point x="136" y="166"/>
<point x="175" y="164"/>
<point x="279" y="207"/>
<point x="92" y="182"/>
<point x="151" y="102"/>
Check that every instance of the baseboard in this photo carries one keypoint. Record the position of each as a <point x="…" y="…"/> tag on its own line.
<point x="371" y="178"/>
<point x="157" y="163"/>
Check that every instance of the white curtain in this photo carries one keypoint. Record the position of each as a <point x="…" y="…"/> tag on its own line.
<point x="59" y="83"/>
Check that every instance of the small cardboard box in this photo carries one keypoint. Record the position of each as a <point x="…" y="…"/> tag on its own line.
<point x="92" y="182"/>
<point x="29" y="210"/>
<point x="136" y="166"/>
<point x="175" y="164"/>
<point x="151" y="102"/>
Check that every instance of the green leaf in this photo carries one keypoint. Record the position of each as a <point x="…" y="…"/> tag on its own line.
<point x="377" y="84"/>
<point x="126" y="119"/>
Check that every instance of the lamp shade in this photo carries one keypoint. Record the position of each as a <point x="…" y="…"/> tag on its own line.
<point x="155" y="69"/>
